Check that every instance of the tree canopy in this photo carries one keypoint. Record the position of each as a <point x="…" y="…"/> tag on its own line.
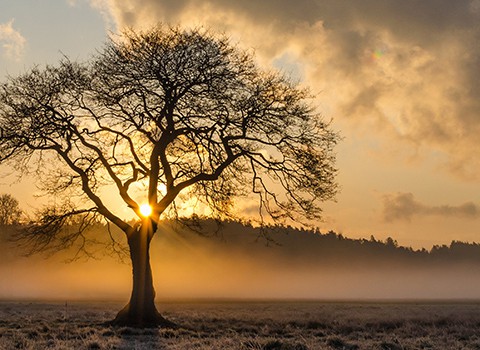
<point x="170" y="109"/>
<point x="10" y="212"/>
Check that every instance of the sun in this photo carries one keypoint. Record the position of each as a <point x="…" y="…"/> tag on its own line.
<point x="145" y="210"/>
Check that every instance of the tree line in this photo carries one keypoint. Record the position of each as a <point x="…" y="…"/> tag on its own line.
<point x="292" y="242"/>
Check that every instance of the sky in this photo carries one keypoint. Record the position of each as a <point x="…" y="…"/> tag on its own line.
<point x="400" y="81"/>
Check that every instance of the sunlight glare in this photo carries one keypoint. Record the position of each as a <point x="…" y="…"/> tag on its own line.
<point x="145" y="210"/>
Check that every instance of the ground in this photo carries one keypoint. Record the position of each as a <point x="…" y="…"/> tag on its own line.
<point x="246" y="326"/>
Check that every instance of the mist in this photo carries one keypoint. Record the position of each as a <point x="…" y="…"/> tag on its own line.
<point x="238" y="263"/>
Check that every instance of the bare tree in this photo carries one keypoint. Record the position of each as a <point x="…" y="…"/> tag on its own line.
<point x="179" y="112"/>
<point x="10" y="212"/>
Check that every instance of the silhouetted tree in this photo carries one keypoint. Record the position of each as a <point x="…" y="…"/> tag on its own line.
<point x="390" y="242"/>
<point x="10" y="212"/>
<point x="175" y="111"/>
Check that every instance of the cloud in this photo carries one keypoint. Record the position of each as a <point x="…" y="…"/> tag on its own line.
<point x="404" y="206"/>
<point x="406" y="73"/>
<point x="11" y="41"/>
<point x="108" y="11"/>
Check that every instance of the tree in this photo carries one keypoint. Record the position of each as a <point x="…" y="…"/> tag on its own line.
<point x="177" y="111"/>
<point x="10" y="212"/>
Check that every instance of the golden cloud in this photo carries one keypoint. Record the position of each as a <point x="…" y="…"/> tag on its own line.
<point x="405" y="73"/>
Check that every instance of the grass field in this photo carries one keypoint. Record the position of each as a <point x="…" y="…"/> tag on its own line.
<point x="246" y="325"/>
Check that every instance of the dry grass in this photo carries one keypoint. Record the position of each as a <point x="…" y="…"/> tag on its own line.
<point x="247" y="326"/>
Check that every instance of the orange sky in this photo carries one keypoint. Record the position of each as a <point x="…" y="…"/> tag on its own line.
<point x="399" y="79"/>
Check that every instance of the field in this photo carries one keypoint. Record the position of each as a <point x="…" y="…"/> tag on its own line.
<point x="246" y="325"/>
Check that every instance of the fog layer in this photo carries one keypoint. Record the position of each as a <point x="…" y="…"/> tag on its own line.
<point x="240" y="263"/>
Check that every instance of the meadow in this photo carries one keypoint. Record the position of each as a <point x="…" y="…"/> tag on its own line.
<point x="246" y="325"/>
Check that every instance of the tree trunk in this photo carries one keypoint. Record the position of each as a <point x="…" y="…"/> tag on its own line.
<point x="141" y="311"/>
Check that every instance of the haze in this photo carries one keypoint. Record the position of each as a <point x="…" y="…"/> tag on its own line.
<point x="239" y="264"/>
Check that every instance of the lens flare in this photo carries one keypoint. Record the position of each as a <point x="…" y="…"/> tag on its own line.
<point x="377" y="54"/>
<point x="145" y="210"/>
